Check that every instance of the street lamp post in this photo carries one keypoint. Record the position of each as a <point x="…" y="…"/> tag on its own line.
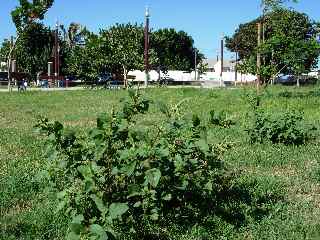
<point x="146" y="46"/>
<point x="236" y="68"/>
<point x="195" y="64"/>
<point x="221" y="58"/>
<point x="56" y="53"/>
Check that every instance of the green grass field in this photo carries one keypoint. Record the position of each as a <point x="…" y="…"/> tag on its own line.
<point x="27" y="209"/>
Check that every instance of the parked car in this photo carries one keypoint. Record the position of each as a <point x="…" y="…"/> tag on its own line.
<point x="286" y="79"/>
<point x="3" y="78"/>
<point x="292" y="79"/>
<point x="166" y="80"/>
<point x="104" y="78"/>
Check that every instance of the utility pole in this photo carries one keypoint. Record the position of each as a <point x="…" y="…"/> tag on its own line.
<point x="259" y="57"/>
<point x="146" y="46"/>
<point x="195" y="64"/>
<point x="56" y="54"/>
<point x="222" y="58"/>
<point x="236" y="68"/>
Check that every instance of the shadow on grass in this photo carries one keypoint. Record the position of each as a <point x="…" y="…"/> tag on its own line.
<point x="237" y="204"/>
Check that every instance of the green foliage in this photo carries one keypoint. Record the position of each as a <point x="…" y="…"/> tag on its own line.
<point x="87" y="62"/>
<point x="289" y="46"/>
<point x="126" y="44"/>
<point x="120" y="49"/>
<point x="287" y="128"/>
<point x="220" y="119"/>
<point x="174" y="50"/>
<point x="274" y="4"/>
<point x="4" y="50"/>
<point x="34" y="48"/>
<point x="274" y="198"/>
<point x="27" y="12"/>
<point x="123" y="174"/>
<point x="296" y="94"/>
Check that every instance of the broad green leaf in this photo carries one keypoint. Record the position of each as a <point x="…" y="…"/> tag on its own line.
<point x="137" y="204"/>
<point x="153" y="177"/>
<point x="202" y="145"/>
<point x="134" y="190"/>
<point x="129" y="168"/>
<point x="99" y="232"/>
<point x="85" y="171"/>
<point x="88" y="185"/>
<point x="208" y="186"/>
<point x="99" y="203"/>
<point x="73" y="236"/>
<point x="76" y="224"/>
<point x="179" y="163"/>
<point x="116" y="210"/>
<point x="167" y="197"/>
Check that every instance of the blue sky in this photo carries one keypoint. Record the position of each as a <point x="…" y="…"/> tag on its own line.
<point x="204" y="20"/>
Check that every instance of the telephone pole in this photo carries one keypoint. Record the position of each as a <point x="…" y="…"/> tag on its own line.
<point x="195" y="64"/>
<point x="56" y="53"/>
<point x="236" y="68"/>
<point x="259" y="56"/>
<point x="222" y="58"/>
<point x="146" y="46"/>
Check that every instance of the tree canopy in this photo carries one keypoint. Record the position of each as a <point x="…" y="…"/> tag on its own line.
<point x="28" y="11"/>
<point x="34" y="48"/>
<point x="120" y="49"/>
<point x="175" y="50"/>
<point x="290" y="45"/>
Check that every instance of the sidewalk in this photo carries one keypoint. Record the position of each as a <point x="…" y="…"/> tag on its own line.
<point x="44" y="89"/>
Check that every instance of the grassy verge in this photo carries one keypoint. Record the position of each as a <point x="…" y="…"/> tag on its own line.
<point x="27" y="209"/>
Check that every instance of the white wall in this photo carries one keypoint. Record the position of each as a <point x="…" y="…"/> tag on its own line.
<point x="185" y="76"/>
<point x="3" y="66"/>
<point x="228" y="76"/>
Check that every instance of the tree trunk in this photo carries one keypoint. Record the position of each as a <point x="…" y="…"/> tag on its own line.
<point x="159" y="75"/>
<point x="9" y="62"/>
<point x="125" y="74"/>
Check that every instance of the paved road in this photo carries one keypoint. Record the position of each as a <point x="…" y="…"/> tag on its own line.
<point x="211" y="85"/>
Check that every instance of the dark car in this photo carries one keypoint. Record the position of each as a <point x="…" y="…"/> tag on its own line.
<point x="292" y="79"/>
<point x="3" y="78"/>
<point x="286" y="79"/>
<point x="104" y="78"/>
<point x="166" y="80"/>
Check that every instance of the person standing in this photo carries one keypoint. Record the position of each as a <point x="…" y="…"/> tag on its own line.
<point x="25" y="85"/>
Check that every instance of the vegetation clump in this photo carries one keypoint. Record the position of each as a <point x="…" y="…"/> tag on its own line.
<point x="220" y="119"/>
<point x="121" y="175"/>
<point x="126" y="178"/>
<point x="288" y="128"/>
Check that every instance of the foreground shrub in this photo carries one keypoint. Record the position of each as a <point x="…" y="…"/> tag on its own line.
<point x="127" y="180"/>
<point x="287" y="128"/>
<point x="220" y="119"/>
<point x="122" y="175"/>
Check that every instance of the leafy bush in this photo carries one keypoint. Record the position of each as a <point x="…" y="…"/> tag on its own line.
<point x="220" y="119"/>
<point x="312" y="93"/>
<point x="287" y="128"/>
<point x="121" y="175"/>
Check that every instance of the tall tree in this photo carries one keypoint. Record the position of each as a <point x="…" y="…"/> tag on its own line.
<point x="174" y="50"/>
<point x="289" y="46"/>
<point x="274" y="4"/>
<point x="28" y="11"/>
<point x="4" y="52"/>
<point x="34" y="48"/>
<point x="87" y="61"/>
<point x="126" y="45"/>
<point x="23" y="15"/>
